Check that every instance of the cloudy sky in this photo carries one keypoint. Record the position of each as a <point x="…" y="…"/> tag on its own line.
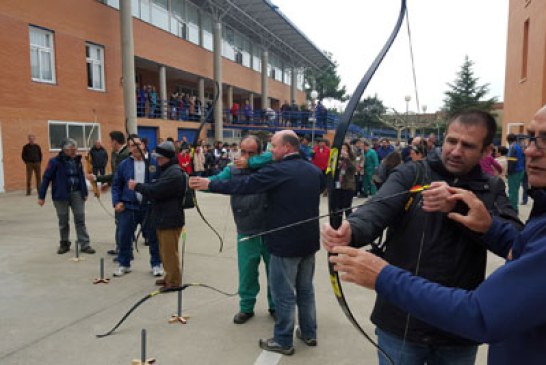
<point x="442" y="33"/>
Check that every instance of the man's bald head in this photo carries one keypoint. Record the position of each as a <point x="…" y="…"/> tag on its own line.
<point x="284" y="142"/>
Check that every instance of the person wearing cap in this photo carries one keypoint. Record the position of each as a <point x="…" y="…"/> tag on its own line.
<point x="133" y="208"/>
<point x="68" y="189"/>
<point x="167" y="196"/>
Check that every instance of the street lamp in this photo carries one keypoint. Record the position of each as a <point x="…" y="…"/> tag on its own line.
<point x="424" y="108"/>
<point x="314" y="96"/>
<point x="407" y="98"/>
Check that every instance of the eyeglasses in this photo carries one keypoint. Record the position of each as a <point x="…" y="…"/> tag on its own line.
<point x="540" y="141"/>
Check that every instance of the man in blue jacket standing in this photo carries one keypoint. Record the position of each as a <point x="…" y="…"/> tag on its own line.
<point x="507" y="309"/>
<point x="65" y="173"/>
<point x="133" y="209"/>
<point x="292" y="187"/>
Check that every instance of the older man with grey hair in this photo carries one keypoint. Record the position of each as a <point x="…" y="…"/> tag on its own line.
<point x="65" y="173"/>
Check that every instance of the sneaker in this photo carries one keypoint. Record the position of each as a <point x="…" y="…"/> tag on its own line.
<point x="122" y="270"/>
<point x="271" y="345"/>
<point x="308" y="341"/>
<point x="242" y="317"/>
<point x="87" y="249"/>
<point x="157" y="271"/>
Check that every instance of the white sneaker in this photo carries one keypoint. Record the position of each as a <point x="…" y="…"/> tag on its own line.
<point x="157" y="271"/>
<point x="122" y="270"/>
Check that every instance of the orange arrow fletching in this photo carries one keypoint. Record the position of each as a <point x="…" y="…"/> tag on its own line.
<point x="418" y="188"/>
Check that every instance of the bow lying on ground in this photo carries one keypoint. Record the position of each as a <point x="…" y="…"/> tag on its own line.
<point x="336" y="219"/>
<point x="413" y="190"/>
<point x="154" y="293"/>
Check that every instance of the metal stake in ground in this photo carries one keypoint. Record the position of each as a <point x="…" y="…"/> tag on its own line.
<point x="77" y="258"/>
<point x="143" y="360"/>
<point x="102" y="279"/>
<point x="178" y="317"/>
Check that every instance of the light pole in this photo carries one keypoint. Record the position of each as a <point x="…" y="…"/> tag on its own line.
<point x="424" y="108"/>
<point x="407" y="98"/>
<point x="314" y="96"/>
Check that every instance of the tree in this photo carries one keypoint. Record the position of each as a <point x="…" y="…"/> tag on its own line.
<point x="465" y="92"/>
<point x="368" y="112"/>
<point x="326" y="82"/>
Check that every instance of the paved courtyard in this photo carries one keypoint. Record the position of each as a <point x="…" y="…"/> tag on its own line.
<point x="50" y="311"/>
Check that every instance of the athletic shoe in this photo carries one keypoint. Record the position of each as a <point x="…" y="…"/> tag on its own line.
<point x="157" y="271"/>
<point x="271" y="345"/>
<point x="308" y="341"/>
<point x="122" y="270"/>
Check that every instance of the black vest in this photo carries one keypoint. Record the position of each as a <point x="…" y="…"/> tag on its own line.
<point x="248" y="210"/>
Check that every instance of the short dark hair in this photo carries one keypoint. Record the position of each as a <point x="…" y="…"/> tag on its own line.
<point x="117" y="136"/>
<point x="256" y="140"/>
<point x="477" y="117"/>
<point x="511" y="138"/>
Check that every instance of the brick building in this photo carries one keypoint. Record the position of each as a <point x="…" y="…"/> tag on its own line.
<point x="61" y="67"/>
<point x="525" y="86"/>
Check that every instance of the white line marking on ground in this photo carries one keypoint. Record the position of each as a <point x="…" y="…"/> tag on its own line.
<point x="268" y="358"/>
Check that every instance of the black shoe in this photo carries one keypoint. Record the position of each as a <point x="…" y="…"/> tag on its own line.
<point x="242" y="317"/>
<point x="64" y="247"/>
<point x="112" y="252"/>
<point x="88" y="249"/>
<point x="271" y="345"/>
<point x="273" y="314"/>
<point x="308" y="341"/>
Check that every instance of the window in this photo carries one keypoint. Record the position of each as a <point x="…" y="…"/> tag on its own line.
<point x="257" y="58"/>
<point x="42" y="55"/>
<point x="80" y="132"/>
<point x="228" y="49"/>
<point x="192" y="21"/>
<point x="287" y="76"/>
<point x="300" y="80"/>
<point x="525" y="50"/>
<point x="160" y="14"/>
<point x="208" y="35"/>
<point x="95" y="66"/>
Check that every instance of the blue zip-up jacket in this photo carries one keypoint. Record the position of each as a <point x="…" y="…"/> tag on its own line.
<point x="55" y="174"/>
<point x="125" y="172"/>
<point x="507" y="310"/>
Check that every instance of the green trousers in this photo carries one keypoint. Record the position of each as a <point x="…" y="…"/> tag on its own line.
<point x="248" y="256"/>
<point x="514" y="182"/>
<point x="369" y="187"/>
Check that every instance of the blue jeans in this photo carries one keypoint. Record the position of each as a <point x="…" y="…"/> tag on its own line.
<point x="409" y="353"/>
<point x="128" y="220"/>
<point x="291" y="281"/>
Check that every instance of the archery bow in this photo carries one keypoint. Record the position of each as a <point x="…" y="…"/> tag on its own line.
<point x="89" y="167"/>
<point x="156" y="292"/>
<point x="341" y="130"/>
<point x="194" y="144"/>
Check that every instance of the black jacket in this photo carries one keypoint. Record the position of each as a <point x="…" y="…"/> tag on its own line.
<point x="99" y="157"/>
<point x="293" y="188"/>
<point x="167" y="195"/>
<point x="451" y="254"/>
